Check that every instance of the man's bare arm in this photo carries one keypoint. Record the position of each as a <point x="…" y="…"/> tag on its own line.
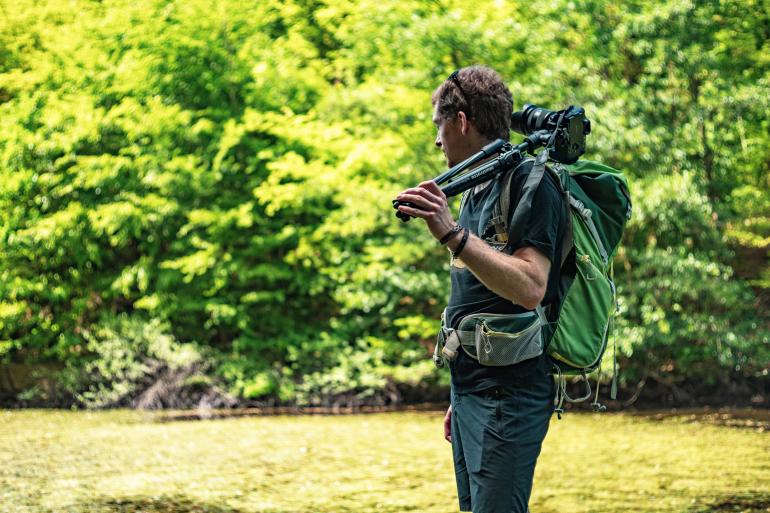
<point x="520" y="278"/>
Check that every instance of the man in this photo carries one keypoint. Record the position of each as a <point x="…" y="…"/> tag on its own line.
<point x="498" y="416"/>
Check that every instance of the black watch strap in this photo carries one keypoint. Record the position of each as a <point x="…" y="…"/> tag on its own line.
<point x="451" y="233"/>
<point x="461" y="246"/>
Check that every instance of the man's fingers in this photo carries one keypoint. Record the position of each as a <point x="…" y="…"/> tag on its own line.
<point x="427" y="189"/>
<point x="433" y="188"/>
<point x="448" y="426"/>
<point x="421" y="192"/>
<point x="432" y="191"/>
<point x="420" y="201"/>
<point x="415" y="212"/>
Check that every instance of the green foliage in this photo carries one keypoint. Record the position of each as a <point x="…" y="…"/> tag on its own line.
<point x="125" y="356"/>
<point x="684" y="313"/>
<point x="225" y="171"/>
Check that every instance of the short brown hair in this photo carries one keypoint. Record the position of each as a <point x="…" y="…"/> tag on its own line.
<point x="482" y="95"/>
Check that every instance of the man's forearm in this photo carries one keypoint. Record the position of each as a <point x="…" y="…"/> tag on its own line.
<point x="518" y="278"/>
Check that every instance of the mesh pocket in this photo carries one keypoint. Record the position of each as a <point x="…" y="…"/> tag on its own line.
<point x="496" y="348"/>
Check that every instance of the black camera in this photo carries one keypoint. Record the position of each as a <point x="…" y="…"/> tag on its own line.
<point x="568" y="127"/>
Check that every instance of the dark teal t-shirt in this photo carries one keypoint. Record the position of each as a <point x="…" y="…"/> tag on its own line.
<point x="544" y="230"/>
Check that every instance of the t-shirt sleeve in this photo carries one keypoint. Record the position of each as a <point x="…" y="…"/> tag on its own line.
<point x="542" y="230"/>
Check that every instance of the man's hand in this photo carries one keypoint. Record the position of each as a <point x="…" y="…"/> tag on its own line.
<point x="448" y="425"/>
<point x="431" y="206"/>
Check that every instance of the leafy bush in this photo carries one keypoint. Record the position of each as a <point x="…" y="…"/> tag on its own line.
<point x="129" y="361"/>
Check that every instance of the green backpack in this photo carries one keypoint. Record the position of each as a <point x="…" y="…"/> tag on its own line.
<point x="599" y="205"/>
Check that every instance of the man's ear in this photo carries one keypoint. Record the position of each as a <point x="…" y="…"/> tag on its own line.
<point x="464" y="122"/>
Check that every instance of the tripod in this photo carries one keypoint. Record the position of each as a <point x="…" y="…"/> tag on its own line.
<point x="457" y="181"/>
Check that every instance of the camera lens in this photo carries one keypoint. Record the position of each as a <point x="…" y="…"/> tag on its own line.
<point x="530" y="119"/>
<point x="517" y="122"/>
<point x="537" y="119"/>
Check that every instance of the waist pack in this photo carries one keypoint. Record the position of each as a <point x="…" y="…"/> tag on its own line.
<point x="599" y="206"/>
<point x="493" y="339"/>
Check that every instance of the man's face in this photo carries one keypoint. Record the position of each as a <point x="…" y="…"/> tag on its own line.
<point x="456" y="145"/>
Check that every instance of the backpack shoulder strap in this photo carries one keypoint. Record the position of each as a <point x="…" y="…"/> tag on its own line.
<point x="501" y="210"/>
<point x="502" y="207"/>
<point x="568" y="241"/>
<point x="524" y="206"/>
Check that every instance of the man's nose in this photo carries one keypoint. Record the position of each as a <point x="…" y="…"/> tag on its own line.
<point x="438" y="141"/>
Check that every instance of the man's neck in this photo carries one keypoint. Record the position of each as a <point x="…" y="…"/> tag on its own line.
<point x="483" y="185"/>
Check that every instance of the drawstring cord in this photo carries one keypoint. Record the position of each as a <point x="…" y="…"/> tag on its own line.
<point x="596" y="405"/>
<point x="558" y="400"/>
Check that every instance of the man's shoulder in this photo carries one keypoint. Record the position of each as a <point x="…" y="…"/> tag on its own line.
<point x="549" y="184"/>
<point x="549" y="190"/>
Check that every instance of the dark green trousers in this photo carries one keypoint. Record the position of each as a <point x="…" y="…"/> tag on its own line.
<point x="496" y="438"/>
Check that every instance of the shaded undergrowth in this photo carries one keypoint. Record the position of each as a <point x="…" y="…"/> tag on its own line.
<point x="747" y="503"/>
<point x="147" y="505"/>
